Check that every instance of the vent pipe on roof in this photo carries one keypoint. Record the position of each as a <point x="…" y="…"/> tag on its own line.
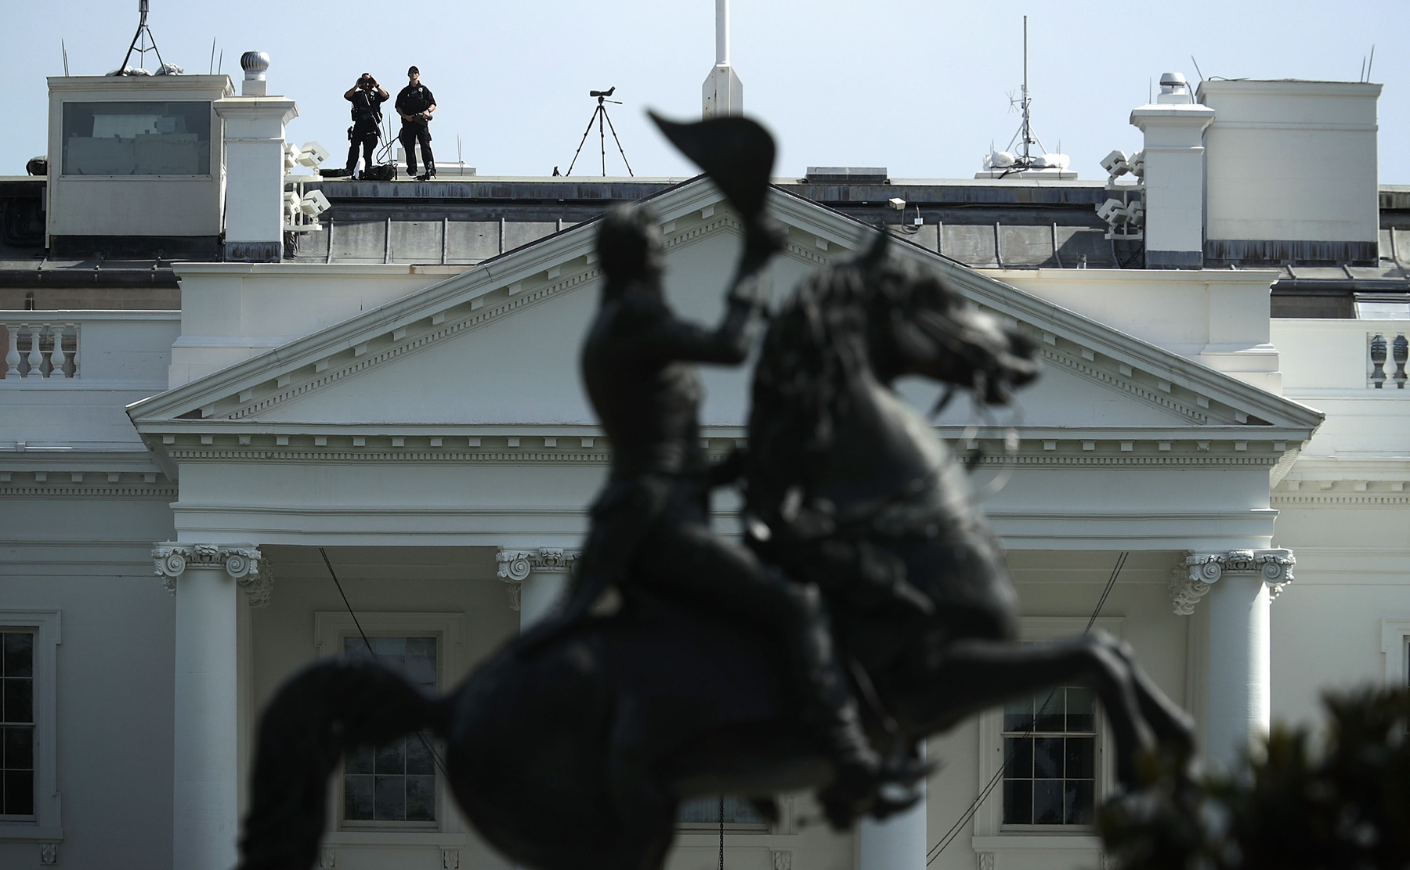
<point x="255" y="64"/>
<point x="723" y="92"/>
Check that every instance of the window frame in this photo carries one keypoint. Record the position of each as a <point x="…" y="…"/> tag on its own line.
<point x="212" y="153"/>
<point x="1395" y="643"/>
<point x="330" y="629"/>
<point x="47" y="822"/>
<point x="763" y="827"/>
<point x="990" y="832"/>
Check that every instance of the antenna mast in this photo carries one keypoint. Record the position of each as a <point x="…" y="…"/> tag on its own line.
<point x="147" y="44"/>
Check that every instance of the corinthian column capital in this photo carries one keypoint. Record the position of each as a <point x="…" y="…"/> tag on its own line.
<point x="1191" y="581"/>
<point x="244" y="563"/>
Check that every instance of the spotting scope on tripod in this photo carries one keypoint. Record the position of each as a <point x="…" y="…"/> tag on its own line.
<point x="599" y="115"/>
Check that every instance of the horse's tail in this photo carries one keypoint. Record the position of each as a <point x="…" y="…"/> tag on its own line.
<point x="324" y="711"/>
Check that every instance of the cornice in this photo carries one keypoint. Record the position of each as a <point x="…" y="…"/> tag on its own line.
<point x="50" y="483"/>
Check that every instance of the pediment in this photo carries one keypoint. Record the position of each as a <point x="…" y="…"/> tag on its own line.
<point x="494" y="350"/>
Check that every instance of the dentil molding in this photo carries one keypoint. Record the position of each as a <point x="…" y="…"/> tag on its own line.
<point x="515" y="566"/>
<point x="1191" y="581"/>
<point x="243" y="562"/>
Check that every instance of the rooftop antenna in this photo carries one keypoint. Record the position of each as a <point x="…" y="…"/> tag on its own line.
<point x="1025" y="133"/>
<point x="1197" y="69"/>
<point x="599" y="115"/>
<point x="144" y="36"/>
<point x="1370" y="63"/>
<point x="65" y="50"/>
<point x="211" y="71"/>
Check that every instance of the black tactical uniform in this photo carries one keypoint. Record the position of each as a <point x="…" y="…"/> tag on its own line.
<point x="413" y="100"/>
<point x="367" y="119"/>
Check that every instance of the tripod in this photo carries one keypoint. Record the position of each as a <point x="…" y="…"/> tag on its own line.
<point x="599" y="115"/>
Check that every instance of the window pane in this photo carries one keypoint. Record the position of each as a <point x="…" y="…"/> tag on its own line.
<point x="19" y="793"/>
<point x="1081" y="710"/>
<point x="1018" y="802"/>
<point x="1080" y="805"/>
<point x="390" y="799"/>
<point x="706" y="810"/>
<point x="1018" y="715"/>
<point x="1047" y="758"/>
<point x="1049" y="711"/>
<point x="1018" y="757"/>
<point x="137" y="138"/>
<point x="360" y="760"/>
<point x="357" y="798"/>
<point x="18" y="700"/>
<point x="19" y="749"/>
<point x="391" y="758"/>
<point x="1047" y="802"/>
<point x="420" y="798"/>
<point x="418" y="755"/>
<point x="19" y="654"/>
<point x="1081" y="758"/>
<point x="390" y="648"/>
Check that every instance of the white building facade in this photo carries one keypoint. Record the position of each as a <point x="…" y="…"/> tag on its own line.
<point x="173" y="479"/>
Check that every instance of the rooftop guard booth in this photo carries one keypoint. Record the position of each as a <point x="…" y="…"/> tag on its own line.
<point x="136" y="158"/>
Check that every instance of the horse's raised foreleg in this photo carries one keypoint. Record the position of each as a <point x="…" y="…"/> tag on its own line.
<point x="977" y="674"/>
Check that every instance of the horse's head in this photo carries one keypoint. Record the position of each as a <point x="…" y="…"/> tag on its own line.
<point x="918" y="326"/>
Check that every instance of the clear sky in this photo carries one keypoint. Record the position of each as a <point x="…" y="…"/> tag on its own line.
<point x="919" y="87"/>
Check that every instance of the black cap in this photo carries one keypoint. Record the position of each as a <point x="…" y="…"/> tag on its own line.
<point x="413" y="71"/>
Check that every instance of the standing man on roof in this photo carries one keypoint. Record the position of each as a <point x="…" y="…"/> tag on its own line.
<point x="367" y="98"/>
<point x="415" y="104"/>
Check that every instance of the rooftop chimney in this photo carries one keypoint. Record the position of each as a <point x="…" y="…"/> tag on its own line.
<point x="254" y="165"/>
<point x="723" y="92"/>
<point x="1174" y="128"/>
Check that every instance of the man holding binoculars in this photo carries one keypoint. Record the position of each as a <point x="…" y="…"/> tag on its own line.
<point x="366" y="97"/>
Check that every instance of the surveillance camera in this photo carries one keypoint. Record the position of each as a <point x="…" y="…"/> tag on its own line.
<point x="1116" y="164"/>
<point x="311" y="154"/>
<point x="314" y="203"/>
<point x="896" y="202"/>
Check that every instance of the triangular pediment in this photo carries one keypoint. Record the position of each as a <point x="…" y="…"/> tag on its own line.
<point x="494" y="350"/>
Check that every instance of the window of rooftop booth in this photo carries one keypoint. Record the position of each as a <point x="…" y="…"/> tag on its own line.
<point x="395" y="790"/>
<point x="137" y="138"/>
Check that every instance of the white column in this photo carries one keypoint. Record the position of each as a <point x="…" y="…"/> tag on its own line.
<point x="898" y="843"/>
<point x="206" y="789"/>
<point x="537" y="580"/>
<point x="1239" y="584"/>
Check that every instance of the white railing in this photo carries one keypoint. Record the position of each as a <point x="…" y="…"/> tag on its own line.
<point x="41" y="348"/>
<point x="1399" y="350"/>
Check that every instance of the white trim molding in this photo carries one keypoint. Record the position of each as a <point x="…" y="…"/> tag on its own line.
<point x="243" y="562"/>
<point x="1191" y="581"/>
<point x="47" y="824"/>
<point x="1395" y="643"/>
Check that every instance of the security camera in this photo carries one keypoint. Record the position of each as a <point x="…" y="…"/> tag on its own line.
<point x="311" y="154"/>
<point x="314" y="203"/>
<point x="897" y="203"/>
<point x="1116" y="164"/>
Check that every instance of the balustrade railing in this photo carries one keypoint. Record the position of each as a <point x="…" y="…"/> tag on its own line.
<point x="1399" y="351"/>
<point x="40" y="349"/>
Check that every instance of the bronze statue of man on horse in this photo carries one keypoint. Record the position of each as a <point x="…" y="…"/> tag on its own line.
<point x="866" y="569"/>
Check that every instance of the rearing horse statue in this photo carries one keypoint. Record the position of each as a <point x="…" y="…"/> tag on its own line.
<point x="844" y="486"/>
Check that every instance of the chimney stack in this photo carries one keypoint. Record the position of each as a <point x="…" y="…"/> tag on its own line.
<point x="254" y="165"/>
<point x="1174" y="128"/>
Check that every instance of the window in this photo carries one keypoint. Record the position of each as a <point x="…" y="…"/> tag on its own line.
<point x="1050" y="750"/>
<point x="395" y="782"/>
<point x="29" y="800"/>
<point x="704" y="812"/>
<point x="17" y="724"/>
<point x="147" y="138"/>
<point x="395" y="794"/>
